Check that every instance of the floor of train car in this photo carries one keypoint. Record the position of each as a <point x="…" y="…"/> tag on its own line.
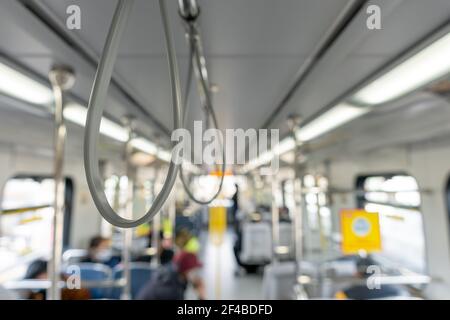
<point x="219" y="272"/>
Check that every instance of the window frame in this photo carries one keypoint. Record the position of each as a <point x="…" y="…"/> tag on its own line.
<point x="69" y="193"/>
<point x="361" y="201"/>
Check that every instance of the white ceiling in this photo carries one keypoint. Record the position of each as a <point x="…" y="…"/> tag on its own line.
<point x="253" y="48"/>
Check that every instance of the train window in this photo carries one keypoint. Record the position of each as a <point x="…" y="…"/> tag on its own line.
<point x="396" y="198"/>
<point x="27" y="217"/>
<point x="317" y="208"/>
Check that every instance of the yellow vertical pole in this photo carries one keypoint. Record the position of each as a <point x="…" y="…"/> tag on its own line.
<point x="217" y="229"/>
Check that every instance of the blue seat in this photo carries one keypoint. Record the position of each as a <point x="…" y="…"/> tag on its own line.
<point x="96" y="272"/>
<point x="140" y="273"/>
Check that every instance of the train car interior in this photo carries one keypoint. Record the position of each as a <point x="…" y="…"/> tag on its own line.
<point x="224" y="150"/>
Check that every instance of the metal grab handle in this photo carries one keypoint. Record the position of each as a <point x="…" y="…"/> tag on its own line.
<point x="195" y="52"/>
<point x="95" y="111"/>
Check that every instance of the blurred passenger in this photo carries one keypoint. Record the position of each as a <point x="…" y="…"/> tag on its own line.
<point x="166" y="256"/>
<point x="37" y="270"/>
<point x="100" y="251"/>
<point x="187" y="262"/>
<point x="363" y="292"/>
<point x="171" y="279"/>
<point x="284" y="214"/>
<point x="165" y="252"/>
<point x="235" y="207"/>
<point x="187" y="242"/>
<point x="189" y="268"/>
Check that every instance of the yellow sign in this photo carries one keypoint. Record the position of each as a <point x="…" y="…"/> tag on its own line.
<point x="217" y="223"/>
<point x="360" y="231"/>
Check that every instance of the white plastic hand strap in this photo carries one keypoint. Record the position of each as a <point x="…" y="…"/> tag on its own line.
<point x="95" y="111"/>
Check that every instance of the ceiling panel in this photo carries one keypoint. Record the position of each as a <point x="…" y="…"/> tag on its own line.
<point x="360" y="52"/>
<point x="253" y="48"/>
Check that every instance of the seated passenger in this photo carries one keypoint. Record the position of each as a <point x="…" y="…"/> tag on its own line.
<point x="284" y="214"/>
<point x="188" y="267"/>
<point x="99" y="251"/>
<point x="187" y="262"/>
<point x="185" y="241"/>
<point x="37" y="270"/>
<point x="171" y="279"/>
<point x="164" y="250"/>
<point x="363" y="292"/>
<point x="166" y="256"/>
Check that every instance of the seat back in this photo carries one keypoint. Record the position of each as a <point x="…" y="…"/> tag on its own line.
<point x="73" y="256"/>
<point x="140" y="273"/>
<point x="278" y="281"/>
<point x="286" y="238"/>
<point x="96" y="272"/>
<point x="256" y="243"/>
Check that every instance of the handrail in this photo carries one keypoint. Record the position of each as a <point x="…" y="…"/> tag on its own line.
<point x="33" y="284"/>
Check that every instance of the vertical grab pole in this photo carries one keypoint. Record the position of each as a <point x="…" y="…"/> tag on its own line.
<point x="172" y="218"/>
<point x="156" y="225"/>
<point x="62" y="78"/>
<point x="298" y="227"/>
<point x="299" y="291"/>
<point x="275" y="221"/>
<point x="156" y="228"/>
<point x="128" y="233"/>
<point x="323" y="240"/>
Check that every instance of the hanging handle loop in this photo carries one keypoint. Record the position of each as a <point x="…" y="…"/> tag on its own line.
<point x="196" y="59"/>
<point x="95" y="111"/>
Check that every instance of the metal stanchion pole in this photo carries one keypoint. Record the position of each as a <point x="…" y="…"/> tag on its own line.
<point x="156" y="227"/>
<point x="172" y="218"/>
<point x="323" y="240"/>
<point x="62" y="78"/>
<point x="298" y="227"/>
<point x="128" y="232"/>
<point x="299" y="291"/>
<point x="275" y="220"/>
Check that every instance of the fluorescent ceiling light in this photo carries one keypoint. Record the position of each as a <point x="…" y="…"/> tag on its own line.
<point x="424" y="67"/>
<point x="77" y="114"/>
<point x="330" y="120"/>
<point x="151" y="148"/>
<point x="165" y="155"/>
<point x="287" y="144"/>
<point x="145" y="145"/>
<point x="141" y="159"/>
<point x="18" y="85"/>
